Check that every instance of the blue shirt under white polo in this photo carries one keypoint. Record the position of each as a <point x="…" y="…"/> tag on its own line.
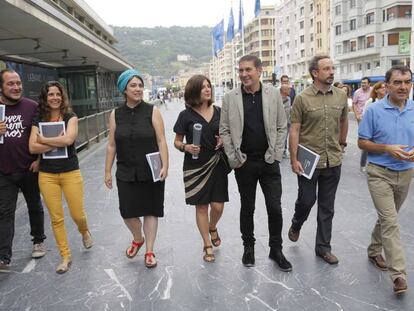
<point x="384" y="123"/>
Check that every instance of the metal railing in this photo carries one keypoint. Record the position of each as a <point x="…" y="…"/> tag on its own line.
<point x="92" y="128"/>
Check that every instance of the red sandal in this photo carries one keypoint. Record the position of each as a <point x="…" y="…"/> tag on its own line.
<point x="153" y="263"/>
<point x="133" y="250"/>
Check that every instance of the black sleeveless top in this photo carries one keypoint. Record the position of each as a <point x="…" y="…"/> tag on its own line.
<point x="134" y="138"/>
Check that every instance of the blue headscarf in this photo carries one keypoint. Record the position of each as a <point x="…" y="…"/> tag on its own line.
<point x="125" y="77"/>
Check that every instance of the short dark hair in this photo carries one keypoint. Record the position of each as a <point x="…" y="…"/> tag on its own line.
<point x="193" y="90"/>
<point x="44" y="110"/>
<point x="2" y="72"/>
<point x="314" y="63"/>
<point x="366" y="78"/>
<point x="337" y="84"/>
<point x="400" y="68"/>
<point x="251" y="58"/>
<point x="284" y="77"/>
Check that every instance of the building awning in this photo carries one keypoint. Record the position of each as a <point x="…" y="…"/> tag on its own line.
<point x="37" y="33"/>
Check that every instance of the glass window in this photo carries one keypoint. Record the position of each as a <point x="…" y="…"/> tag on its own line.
<point x="393" y="38"/>
<point x="338" y="9"/>
<point x="353" y="46"/>
<point x="370" y="18"/>
<point x="370" y="42"/>
<point x="338" y="29"/>
<point x="352" y="24"/>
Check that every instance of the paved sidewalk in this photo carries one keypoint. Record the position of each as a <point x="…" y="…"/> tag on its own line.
<point x="104" y="279"/>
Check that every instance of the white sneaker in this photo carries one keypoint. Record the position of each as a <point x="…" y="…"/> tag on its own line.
<point x="39" y="250"/>
<point x="4" y="267"/>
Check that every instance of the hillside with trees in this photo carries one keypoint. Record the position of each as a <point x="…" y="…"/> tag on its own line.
<point x="155" y="50"/>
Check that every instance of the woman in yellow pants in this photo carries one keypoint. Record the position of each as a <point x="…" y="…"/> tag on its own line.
<point x="57" y="175"/>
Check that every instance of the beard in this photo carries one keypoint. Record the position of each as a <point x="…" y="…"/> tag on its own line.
<point x="10" y="99"/>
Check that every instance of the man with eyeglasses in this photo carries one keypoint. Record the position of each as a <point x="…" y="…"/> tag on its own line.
<point x="18" y="168"/>
<point x="386" y="132"/>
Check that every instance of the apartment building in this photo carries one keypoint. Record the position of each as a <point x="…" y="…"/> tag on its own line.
<point x="223" y="65"/>
<point x="321" y="26"/>
<point x="295" y="24"/>
<point x="259" y="39"/>
<point x="370" y="36"/>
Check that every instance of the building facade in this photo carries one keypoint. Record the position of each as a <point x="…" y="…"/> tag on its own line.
<point x="296" y="33"/>
<point x="370" y="36"/>
<point x="259" y="39"/>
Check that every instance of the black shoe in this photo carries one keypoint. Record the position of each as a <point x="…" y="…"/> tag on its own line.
<point x="283" y="263"/>
<point x="248" y="256"/>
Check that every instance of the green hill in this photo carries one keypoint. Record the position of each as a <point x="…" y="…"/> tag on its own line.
<point x="154" y="50"/>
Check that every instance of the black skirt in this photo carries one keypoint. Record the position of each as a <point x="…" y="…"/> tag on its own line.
<point x="141" y="198"/>
<point x="207" y="183"/>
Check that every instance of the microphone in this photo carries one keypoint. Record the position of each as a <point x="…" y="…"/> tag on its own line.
<point x="196" y="136"/>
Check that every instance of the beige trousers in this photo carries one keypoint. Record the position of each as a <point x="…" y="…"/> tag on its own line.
<point x="388" y="191"/>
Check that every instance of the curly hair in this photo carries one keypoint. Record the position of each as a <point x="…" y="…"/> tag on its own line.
<point x="44" y="109"/>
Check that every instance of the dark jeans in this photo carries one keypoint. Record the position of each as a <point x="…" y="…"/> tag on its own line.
<point x="268" y="175"/>
<point x="326" y="181"/>
<point x="9" y="188"/>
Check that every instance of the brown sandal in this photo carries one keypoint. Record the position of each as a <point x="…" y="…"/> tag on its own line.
<point x="133" y="250"/>
<point x="208" y="257"/>
<point x="217" y="241"/>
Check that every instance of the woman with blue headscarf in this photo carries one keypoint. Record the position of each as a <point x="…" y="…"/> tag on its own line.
<point x="136" y="129"/>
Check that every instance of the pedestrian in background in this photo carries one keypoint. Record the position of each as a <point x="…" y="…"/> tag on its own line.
<point x="284" y="79"/>
<point x="253" y="129"/>
<point x="18" y="168"/>
<point x="320" y="123"/>
<point x="135" y="130"/>
<point x="387" y="133"/>
<point x="348" y="91"/>
<point x="378" y="92"/>
<point x="361" y="96"/>
<point x="205" y="178"/>
<point x="284" y="92"/>
<point x="57" y="176"/>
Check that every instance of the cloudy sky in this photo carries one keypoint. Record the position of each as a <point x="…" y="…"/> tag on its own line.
<point x="151" y="13"/>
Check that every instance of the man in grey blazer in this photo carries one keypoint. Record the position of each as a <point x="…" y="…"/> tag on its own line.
<point x="253" y="130"/>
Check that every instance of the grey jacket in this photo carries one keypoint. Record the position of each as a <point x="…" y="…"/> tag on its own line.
<point x="232" y="122"/>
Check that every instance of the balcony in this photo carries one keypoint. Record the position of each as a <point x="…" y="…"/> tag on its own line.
<point x="358" y="53"/>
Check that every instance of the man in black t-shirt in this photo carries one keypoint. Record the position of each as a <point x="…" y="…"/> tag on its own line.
<point x="18" y="168"/>
<point x="253" y="130"/>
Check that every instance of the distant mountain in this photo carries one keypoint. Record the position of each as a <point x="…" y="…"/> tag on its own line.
<point x="155" y="50"/>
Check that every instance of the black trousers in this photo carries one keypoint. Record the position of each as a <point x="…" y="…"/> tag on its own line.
<point x="325" y="181"/>
<point x="268" y="175"/>
<point x="9" y="188"/>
